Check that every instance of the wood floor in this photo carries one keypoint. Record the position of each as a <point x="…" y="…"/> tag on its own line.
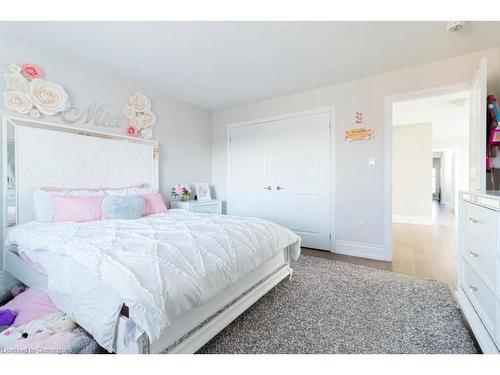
<point x="428" y="251"/>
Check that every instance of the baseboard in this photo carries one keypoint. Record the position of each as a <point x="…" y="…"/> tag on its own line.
<point x="359" y="249"/>
<point x="407" y="219"/>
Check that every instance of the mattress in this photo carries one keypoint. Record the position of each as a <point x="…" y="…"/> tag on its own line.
<point x="160" y="266"/>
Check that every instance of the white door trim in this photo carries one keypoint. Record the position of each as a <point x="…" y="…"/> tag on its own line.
<point x="388" y="128"/>
<point x="328" y="109"/>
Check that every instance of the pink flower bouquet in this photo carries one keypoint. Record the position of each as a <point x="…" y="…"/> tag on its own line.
<point x="181" y="191"/>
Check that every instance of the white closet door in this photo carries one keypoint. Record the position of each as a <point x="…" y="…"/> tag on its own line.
<point x="301" y="177"/>
<point x="250" y="192"/>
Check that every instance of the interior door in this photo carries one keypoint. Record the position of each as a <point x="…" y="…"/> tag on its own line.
<point x="250" y="190"/>
<point x="477" y="153"/>
<point x="300" y="162"/>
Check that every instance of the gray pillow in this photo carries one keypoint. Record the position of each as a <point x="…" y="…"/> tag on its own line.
<point x="123" y="207"/>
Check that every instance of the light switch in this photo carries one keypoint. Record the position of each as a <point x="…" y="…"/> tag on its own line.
<point x="371" y="160"/>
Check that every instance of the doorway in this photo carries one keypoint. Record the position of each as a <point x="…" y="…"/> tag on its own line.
<point x="430" y="165"/>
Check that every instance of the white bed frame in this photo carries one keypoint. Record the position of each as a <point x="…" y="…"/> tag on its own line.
<point x="191" y="331"/>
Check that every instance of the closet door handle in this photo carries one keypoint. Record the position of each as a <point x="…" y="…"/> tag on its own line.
<point x="279" y="188"/>
<point x="267" y="188"/>
<point x="472" y="288"/>
<point x="473" y="254"/>
<point x="473" y="221"/>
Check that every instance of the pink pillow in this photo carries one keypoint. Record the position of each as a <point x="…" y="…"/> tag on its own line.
<point x="30" y="305"/>
<point x="77" y="208"/>
<point x="153" y="204"/>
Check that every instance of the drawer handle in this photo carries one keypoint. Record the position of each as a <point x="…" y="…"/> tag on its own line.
<point x="473" y="221"/>
<point x="472" y="254"/>
<point x="472" y="288"/>
<point x="267" y="188"/>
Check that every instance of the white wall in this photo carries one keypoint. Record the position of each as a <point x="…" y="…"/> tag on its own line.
<point x="359" y="188"/>
<point x="459" y="168"/>
<point x="183" y="130"/>
<point x="411" y="173"/>
<point x="448" y="178"/>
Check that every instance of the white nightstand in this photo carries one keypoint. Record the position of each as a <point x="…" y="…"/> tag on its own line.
<point x="200" y="207"/>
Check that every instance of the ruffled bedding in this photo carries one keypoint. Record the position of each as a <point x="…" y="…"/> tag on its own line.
<point x="160" y="266"/>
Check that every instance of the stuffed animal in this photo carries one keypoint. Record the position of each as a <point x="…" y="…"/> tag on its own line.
<point x="53" y="333"/>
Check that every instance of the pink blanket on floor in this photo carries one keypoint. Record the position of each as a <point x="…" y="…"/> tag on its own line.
<point x="30" y="305"/>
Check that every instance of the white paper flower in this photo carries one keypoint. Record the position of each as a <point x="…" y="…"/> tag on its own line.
<point x="147" y="133"/>
<point x="146" y="120"/>
<point x="15" y="68"/>
<point x="135" y="122"/>
<point x="17" y="101"/>
<point x="129" y="112"/>
<point x="48" y="97"/>
<point x="34" y="113"/>
<point x="16" y="81"/>
<point x="140" y="102"/>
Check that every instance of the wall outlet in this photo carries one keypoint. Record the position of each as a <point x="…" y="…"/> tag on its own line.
<point x="371" y="160"/>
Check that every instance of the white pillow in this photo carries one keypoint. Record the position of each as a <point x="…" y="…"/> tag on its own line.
<point x="129" y="191"/>
<point x="43" y="205"/>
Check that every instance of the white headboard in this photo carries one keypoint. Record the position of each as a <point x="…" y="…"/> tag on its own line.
<point x="60" y="156"/>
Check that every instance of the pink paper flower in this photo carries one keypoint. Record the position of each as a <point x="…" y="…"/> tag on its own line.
<point x="132" y="131"/>
<point x="31" y="71"/>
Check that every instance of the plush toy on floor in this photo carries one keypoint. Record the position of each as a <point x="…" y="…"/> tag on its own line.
<point x="54" y="333"/>
<point x="35" y="325"/>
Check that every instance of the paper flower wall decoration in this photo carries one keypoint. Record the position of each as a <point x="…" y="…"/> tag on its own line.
<point x="141" y="118"/>
<point x="31" y="94"/>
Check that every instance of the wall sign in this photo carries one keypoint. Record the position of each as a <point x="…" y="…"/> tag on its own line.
<point x="358" y="133"/>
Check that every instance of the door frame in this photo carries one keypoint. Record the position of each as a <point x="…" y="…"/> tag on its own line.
<point x="327" y="109"/>
<point x="388" y="129"/>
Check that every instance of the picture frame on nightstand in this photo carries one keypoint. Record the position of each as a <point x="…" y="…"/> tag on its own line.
<point x="202" y="191"/>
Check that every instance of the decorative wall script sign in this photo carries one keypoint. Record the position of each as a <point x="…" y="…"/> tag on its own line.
<point x="99" y="115"/>
<point x="358" y="134"/>
<point x="30" y="94"/>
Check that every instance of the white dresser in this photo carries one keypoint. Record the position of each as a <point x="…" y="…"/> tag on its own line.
<point x="479" y="267"/>
<point x="201" y="207"/>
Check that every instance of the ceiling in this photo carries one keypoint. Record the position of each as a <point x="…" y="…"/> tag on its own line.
<point x="449" y="115"/>
<point x="220" y="64"/>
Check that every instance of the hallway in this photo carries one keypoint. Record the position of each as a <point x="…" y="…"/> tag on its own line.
<point x="428" y="251"/>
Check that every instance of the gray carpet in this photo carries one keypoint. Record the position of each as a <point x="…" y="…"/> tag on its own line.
<point x="337" y="307"/>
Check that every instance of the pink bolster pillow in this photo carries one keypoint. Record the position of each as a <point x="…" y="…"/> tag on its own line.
<point x="77" y="208"/>
<point x="153" y="204"/>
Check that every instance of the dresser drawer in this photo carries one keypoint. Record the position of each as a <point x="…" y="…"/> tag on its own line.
<point x="481" y="297"/>
<point x="480" y="228"/>
<point x="206" y="209"/>
<point x="485" y="262"/>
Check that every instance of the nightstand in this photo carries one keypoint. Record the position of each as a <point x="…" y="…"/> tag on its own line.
<point x="200" y="207"/>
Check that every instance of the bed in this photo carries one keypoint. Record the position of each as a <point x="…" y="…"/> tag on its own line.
<point x="165" y="283"/>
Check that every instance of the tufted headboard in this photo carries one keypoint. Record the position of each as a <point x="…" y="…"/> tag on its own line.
<point x="59" y="156"/>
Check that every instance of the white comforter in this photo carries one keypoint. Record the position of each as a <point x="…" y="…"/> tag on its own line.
<point x="160" y="266"/>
